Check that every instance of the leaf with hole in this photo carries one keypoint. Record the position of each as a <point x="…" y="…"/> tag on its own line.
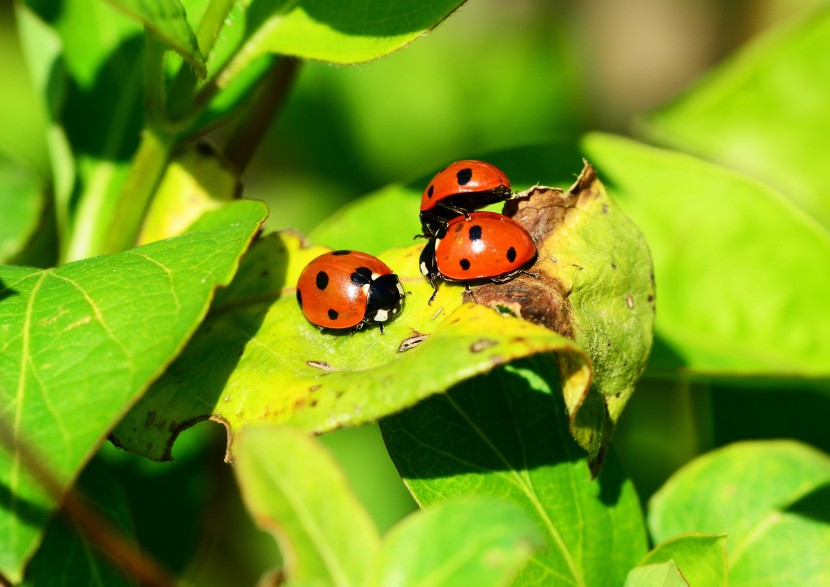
<point x="257" y="359"/>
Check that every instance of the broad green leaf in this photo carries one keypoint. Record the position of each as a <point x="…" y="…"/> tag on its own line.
<point x="80" y="343"/>
<point x="361" y="30"/>
<point x="295" y="490"/>
<point x="504" y="435"/>
<point x="195" y="182"/>
<point x="472" y="541"/>
<point x="701" y="558"/>
<point x="764" y="112"/>
<point x="22" y="207"/>
<point x="257" y="359"/>
<point x="770" y="498"/>
<point x="67" y="557"/>
<point x="167" y="19"/>
<point x="726" y="250"/>
<point x="656" y="575"/>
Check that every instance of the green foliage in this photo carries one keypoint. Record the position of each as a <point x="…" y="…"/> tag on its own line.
<point x="140" y="294"/>
<point x="296" y="491"/>
<point x="716" y="238"/>
<point x="459" y="443"/>
<point x="75" y="327"/>
<point x="770" y="498"/>
<point x="763" y="112"/>
<point x="701" y="558"/>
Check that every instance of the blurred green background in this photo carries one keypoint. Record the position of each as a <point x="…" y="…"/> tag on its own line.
<point x="493" y="76"/>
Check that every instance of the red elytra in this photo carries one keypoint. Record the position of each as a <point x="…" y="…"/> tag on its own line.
<point x="460" y="188"/>
<point x="348" y="289"/>
<point x="484" y="246"/>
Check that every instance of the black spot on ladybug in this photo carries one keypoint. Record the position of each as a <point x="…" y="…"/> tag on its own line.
<point x="300" y="298"/>
<point x="341" y="252"/>
<point x="465" y="264"/>
<point x="430" y="191"/>
<point x="475" y="233"/>
<point x="464" y="176"/>
<point x="361" y="276"/>
<point x="332" y="314"/>
<point x="322" y="280"/>
<point x="511" y="254"/>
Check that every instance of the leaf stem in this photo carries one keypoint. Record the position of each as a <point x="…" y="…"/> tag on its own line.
<point x="147" y="168"/>
<point x="154" y="97"/>
<point x="265" y="105"/>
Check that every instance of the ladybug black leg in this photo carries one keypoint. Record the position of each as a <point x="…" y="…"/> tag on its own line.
<point x="381" y="327"/>
<point x="432" y="297"/>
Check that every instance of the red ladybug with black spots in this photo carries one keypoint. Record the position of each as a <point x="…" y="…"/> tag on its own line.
<point x="349" y="289"/>
<point x="460" y="188"/>
<point x="482" y="245"/>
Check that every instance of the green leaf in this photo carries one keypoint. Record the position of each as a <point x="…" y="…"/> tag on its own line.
<point x="295" y="490"/>
<point x="22" y="207"/>
<point x="167" y="19"/>
<point x="783" y="77"/>
<point x="602" y="297"/>
<point x="356" y="32"/>
<point x="66" y="555"/>
<point x="81" y="342"/>
<point x="197" y="181"/>
<point x="771" y="499"/>
<point x="656" y="575"/>
<point x="504" y="435"/>
<point x="361" y="30"/>
<point x="726" y="250"/>
<point x="394" y="207"/>
<point x="701" y="558"/>
<point x="471" y="541"/>
<point x="257" y="359"/>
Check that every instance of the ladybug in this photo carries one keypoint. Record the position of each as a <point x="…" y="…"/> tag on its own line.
<point x="482" y="245"/>
<point x="349" y="289"/>
<point x="460" y="188"/>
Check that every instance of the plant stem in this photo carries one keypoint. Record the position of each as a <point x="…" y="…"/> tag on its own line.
<point x="212" y="22"/>
<point x="265" y="105"/>
<point x="127" y="217"/>
<point x="153" y="79"/>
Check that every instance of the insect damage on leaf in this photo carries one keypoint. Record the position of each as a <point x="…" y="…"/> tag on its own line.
<point x="592" y="283"/>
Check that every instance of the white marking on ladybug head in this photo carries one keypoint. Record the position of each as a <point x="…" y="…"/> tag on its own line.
<point x="381" y="316"/>
<point x="424" y="270"/>
<point x="400" y="289"/>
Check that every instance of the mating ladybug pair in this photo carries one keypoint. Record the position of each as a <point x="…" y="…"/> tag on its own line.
<point x="349" y="289"/>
